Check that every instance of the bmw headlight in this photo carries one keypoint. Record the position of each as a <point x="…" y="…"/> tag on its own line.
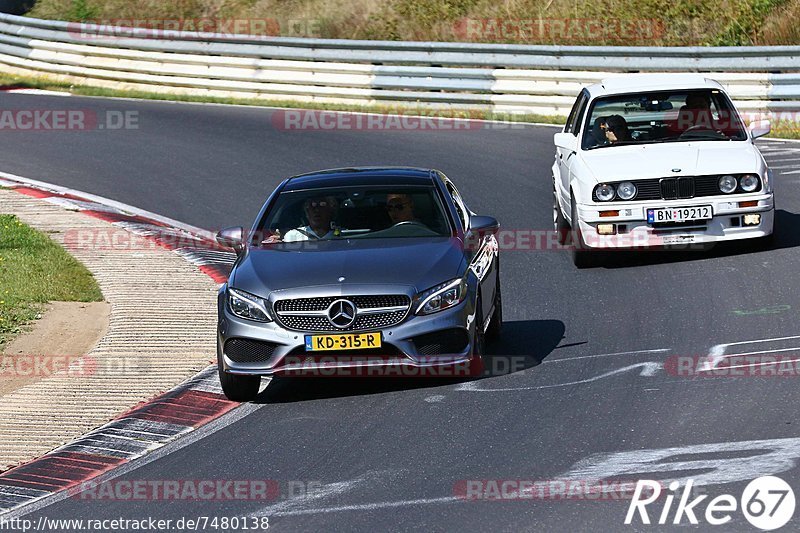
<point x="727" y="184"/>
<point x="442" y="297"/>
<point x="248" y="306"/>
<point x="626" y="190"/>
<point x="604" y="192"/>
<point x="748" y="182"/>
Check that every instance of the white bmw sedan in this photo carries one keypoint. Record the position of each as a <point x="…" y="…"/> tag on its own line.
<point x="653" y="160"/>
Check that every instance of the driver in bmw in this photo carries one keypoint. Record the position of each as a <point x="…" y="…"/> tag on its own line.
<point x="696" y="112"/>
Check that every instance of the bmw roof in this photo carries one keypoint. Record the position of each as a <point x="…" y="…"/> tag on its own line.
<point x="633" y="83"/>
<point x="338" y="177"/>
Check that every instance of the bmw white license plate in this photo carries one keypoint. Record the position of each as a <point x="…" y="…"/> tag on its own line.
<point x="678" y="214"/>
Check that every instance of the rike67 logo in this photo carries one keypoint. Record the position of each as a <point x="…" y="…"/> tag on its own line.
<point x="767" y="503"/>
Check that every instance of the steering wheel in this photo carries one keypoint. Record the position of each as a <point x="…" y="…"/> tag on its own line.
<point x="307" y="234"/>
<point x="409" y="223"/>
<point x="693" y="130"/>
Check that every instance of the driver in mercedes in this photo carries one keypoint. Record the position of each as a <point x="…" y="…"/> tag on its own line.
<point x="320" y="213"/>
<point x="400" y="208"/>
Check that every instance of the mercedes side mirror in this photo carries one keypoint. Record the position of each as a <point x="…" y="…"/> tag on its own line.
<point x="479" y="227"/>
<point x="232" y="238"/>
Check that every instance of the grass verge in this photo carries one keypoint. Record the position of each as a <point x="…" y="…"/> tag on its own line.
<point x="35" y="270"/>
<point x="565" y="22"/>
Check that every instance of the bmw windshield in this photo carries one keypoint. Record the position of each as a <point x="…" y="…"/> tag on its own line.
<point x="657" y="117"/>
<point x="355" y="213"/>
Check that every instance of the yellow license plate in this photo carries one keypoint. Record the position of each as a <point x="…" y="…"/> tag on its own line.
<point x="344" y="341"/>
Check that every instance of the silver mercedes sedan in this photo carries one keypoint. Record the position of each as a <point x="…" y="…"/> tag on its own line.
<point x="359" y="272"/>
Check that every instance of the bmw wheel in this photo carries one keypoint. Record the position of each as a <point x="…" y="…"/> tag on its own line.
<point x="581" y="256"/>
<point x="560" y="225"/>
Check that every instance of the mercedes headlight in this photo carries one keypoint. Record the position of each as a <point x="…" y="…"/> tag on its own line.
<point x="748" y="182"/>
<point x="626" y="190"/>
<point x="248" y="306"/>
<point x="442" y="297"/>
<point x="604" y="192"/>
<point x="727" y="184"/>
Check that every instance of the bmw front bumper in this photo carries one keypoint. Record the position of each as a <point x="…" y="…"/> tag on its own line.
<point x="633" y="231"/>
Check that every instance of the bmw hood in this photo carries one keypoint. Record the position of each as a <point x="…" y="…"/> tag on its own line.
<point x="632" y="162"/>
<point x="418" y="263"/>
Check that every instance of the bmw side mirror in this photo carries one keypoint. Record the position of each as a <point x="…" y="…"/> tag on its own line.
<point x="759" y="129"/>
<point x="566" y="141"/>
<point x="232" y="238"/>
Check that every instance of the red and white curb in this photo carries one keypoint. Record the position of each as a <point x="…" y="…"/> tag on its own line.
<point x="139" y="431"/>
<point x="150" y="425"/>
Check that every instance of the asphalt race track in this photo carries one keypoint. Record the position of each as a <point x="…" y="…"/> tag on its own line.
<point x="596" y="344"/>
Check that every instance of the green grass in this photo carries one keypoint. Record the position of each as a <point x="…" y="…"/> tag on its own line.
<point x="785" y="130"/>
<point x="679" y="22"/>
<point x="35" y="270"/>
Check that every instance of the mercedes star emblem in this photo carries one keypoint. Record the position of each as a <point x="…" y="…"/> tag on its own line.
<point x="342" y="314"/>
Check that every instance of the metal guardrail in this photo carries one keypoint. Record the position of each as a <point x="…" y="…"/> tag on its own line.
<point x="496" y="77"/>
